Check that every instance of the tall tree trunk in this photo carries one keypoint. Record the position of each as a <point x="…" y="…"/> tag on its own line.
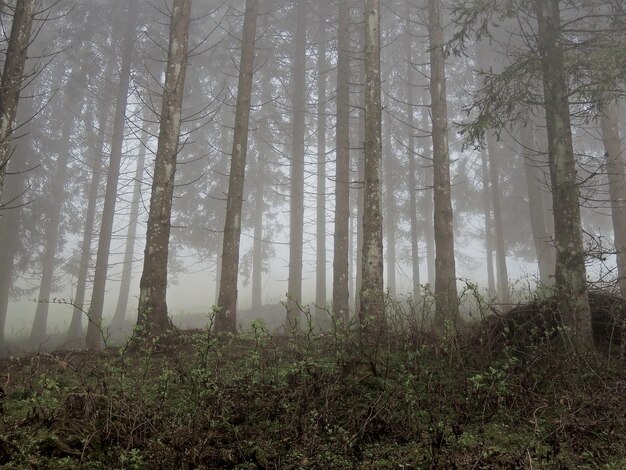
<point x="390" y="202"/>
<point x="429" y="210"/>
<point x="371" y="313"/>
<point x="71" y="109"/>
<point x="342" y="168"/>
<point x="75" y="333"/>
<point x="503" y="275"/>
<point x="119" y="317"/>
<point x="94" y="327"/>
<point x="296" y="212"/>
<point x="12" y="76"/>
<point x="541" y="238"/>
<point x="320" y="262"/>
<point x="570" y="267"/>
<point x="226" y="319"/>
<point x="257" y="244"/>
<point x="491" y="285"/>
<point x="152" y="318"/>
<point x="446" y="302"/>
<point x="412" y="178"/>
<point x="617" y="186"/>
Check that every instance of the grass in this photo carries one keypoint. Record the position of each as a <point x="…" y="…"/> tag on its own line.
<point x="257" y="400"/>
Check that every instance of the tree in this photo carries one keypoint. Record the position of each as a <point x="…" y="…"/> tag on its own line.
<point x="342" y="168"/>
<point x="72" y="105"/>
<point x="296" y="202"/>
<point x="152" y="318"/>
<point x="119" y="317"/>
<point x="617" y="186"/>
<point x="446" y="306"/>
<point x="320" y="262"/>
<point x="12" y="76"/>
<point x="94" y="328"/>
<point x="226" y="319"/>
<point x="571" y="283"/>
<point x="371" y="295"/>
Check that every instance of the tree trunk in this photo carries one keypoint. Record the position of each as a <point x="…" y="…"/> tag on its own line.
<point x="491" y="285"/>
<point x="541" y="238"/>
<point x="570" y="267"/>
<point x="341" y="255"/>
<point x="429" y="210"/>
<point x="152" y="318"/>
<point x="257" y="244"/>
<point x="320" y="262"/>
<point x="12" y="76"/>
<point x="75" y="333"/>
<point x="119" y="317"/>
<point x="617" y="187"/>
<point x="296" y="213"/>
<point x="371" y="313"/>
<point x="226" y="319"/>
<point x="94" y="328"/>
<point x="446" y="302"/>
<point x="412" y="178"/>
<point x="390" y="202"/>
<point x="71" y="109"/>
<point x="503" y="275"/>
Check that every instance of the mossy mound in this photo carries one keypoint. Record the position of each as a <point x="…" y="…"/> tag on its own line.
<point x="539" y="320"/>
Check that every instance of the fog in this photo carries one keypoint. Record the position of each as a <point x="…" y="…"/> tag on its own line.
<point x="93" y="89"/>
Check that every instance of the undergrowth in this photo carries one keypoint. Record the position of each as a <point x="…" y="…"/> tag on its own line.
<point x="307" y="400"/>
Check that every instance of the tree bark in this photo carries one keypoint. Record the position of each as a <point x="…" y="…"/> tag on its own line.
<point x="491" y="284"/>
<point x="296" y="214"/>
<point x="446" y="302"/>
<point x="320" y="262"/>
<point x="152" y="318"/>
<point x="257" y="244"/>
<point x="412" y="178"/>
<point x="429" y="209"/>
<point x="570" y="266"/>
<point x="617" y="186"/>
<point x="371" y="313"/>
<point x="12" y="76"/>
<point x="342" y="169"/>
<point x="390" y="201"/>
<point x="226" y="318"/>
<point x="94" y="328"/>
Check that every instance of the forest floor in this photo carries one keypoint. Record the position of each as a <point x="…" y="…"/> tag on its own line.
<point x="258" y="400"/>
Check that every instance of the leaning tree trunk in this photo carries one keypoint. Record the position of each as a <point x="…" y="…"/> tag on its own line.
<point x="320" y="262"/>
<point x="617" y="187"/>
<point x="72" y="105"/>
<point x="342" y="169"/>
<point x="446" y="302"/>
<point x="570" y="266"/>
<point x="94" y="328"/>
<point x="372" y="301"/>
<point x="75" y="333"/>
<point x="226" y="318"/>
<point x="12" y="76"/>
<point x="296" y="213"/>
<point x="152" y="318"/>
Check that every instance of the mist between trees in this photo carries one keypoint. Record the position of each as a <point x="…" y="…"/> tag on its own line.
<point x="322" y="154"/>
